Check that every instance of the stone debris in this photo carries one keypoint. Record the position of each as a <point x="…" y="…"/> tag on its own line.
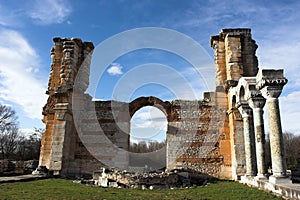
<point x="41" y="170"/>
<point x="179" y="178"/>
<point x="11" y="167"/>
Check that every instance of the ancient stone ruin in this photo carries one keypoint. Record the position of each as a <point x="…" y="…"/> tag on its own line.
<point x="222" y="135"/>
<point x="155" y="180"/>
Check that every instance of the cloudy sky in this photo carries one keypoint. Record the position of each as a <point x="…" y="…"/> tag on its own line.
<point x="28" y="26"/>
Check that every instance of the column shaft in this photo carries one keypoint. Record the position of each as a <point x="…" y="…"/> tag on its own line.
<point x="260" y="142"/>
<point x="251" y="167"/>
<point x="276" y="138"/>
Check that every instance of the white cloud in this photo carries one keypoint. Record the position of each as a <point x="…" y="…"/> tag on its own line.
<point x="50" y="11"/>
<point x="148" y="116"/>
<point x="7" y="17"/>
<point x="279" y="50"/>
<point x="283" y="55"/>
<point x="290" y="112"/>
<point x="18" y="84"/>
<point x="115" y="69"/>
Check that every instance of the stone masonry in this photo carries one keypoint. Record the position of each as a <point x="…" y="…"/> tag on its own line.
<point x="221" y="135"/>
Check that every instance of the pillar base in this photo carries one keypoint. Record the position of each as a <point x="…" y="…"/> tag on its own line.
<point x="250" y="175"/>
<point x="261" y="177"/>
<point x="279" y="179"/>
<point x="245" y="178"/>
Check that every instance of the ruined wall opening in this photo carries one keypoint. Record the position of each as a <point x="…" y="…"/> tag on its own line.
<point x="148" y="124"/>
<point x="148" y="130"/>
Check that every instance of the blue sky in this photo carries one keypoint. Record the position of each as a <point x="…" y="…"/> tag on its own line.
<point x="28" y="26"/>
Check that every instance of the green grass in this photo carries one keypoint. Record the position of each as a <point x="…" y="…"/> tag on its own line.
<point x="66" y="189"/>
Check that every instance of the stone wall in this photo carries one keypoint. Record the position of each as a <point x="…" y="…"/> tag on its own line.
<point x="206" y="135"/>
<point x="11" y="167"/>
<point x="193" y="136"/>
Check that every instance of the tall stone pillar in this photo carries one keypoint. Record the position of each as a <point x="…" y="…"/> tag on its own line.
<point x="257" y="103"/>
<point x="59" y="137"/>
<point x="234" y="57"/>
<point x="249" y="139"/>
<point x="270" y="83"/>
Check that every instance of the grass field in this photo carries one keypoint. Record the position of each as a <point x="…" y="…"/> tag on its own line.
<point x="66" y="189"/>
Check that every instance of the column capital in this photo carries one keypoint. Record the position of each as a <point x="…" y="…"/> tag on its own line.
<point x="270" y="83"/>
<point x="236" y="114"/>
<point x="256" y="100"/>
<point x="244" y="109"/>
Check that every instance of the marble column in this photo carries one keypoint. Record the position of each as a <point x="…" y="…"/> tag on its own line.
<point x="249" y="139"/>
<point x="257" y="103"/>
<point x="270" y="83"/>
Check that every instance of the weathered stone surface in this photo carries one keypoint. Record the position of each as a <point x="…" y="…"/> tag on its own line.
<point x="177" y="178"/>
<point x="247" y="114"/>
<point x="206" y="136"/>
<point x="270" y="83"/>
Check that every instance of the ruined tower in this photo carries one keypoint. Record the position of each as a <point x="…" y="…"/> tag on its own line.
<point x="67" y="55"/>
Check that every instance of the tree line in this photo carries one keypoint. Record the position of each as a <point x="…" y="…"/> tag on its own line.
<point x="146" y="147"/>
<point x="292" y="149"/>
<point x="14" y="145"/>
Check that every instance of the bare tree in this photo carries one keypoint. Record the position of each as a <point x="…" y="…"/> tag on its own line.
<point x="8" y="118"/>
<point x="292" y="149"/>
<point x="144" y="147"/>
<point x="29" y="147"/>
<point x="14" y="145"/>
<point x="9" y="132"/>
<point x="35" y="143"/>
<point x="10" y="142"/>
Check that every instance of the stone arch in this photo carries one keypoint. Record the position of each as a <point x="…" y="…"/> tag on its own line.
<point x="244" y="88"/>
<point x="242" y="94"/>
<point x="156" y="159"/>
<point x="164" y="106"/>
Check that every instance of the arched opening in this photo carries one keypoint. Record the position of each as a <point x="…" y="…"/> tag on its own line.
<point x="242" y="94"/>
<point x="148" y="129"/>
<point x="148" y="124"/>
<point x="233" y="101"/>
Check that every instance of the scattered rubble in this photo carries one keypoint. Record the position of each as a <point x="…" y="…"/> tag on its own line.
<point x="41" y="170"/>
<point x="10" y="167"/>
<point x="178" y="178"/>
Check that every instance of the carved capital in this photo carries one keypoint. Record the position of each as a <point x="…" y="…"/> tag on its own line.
<point x="270" y="83"/>
<point x="244" y="109"/>
<point x="271" y="92"/>
<point x="256" y="102"/>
